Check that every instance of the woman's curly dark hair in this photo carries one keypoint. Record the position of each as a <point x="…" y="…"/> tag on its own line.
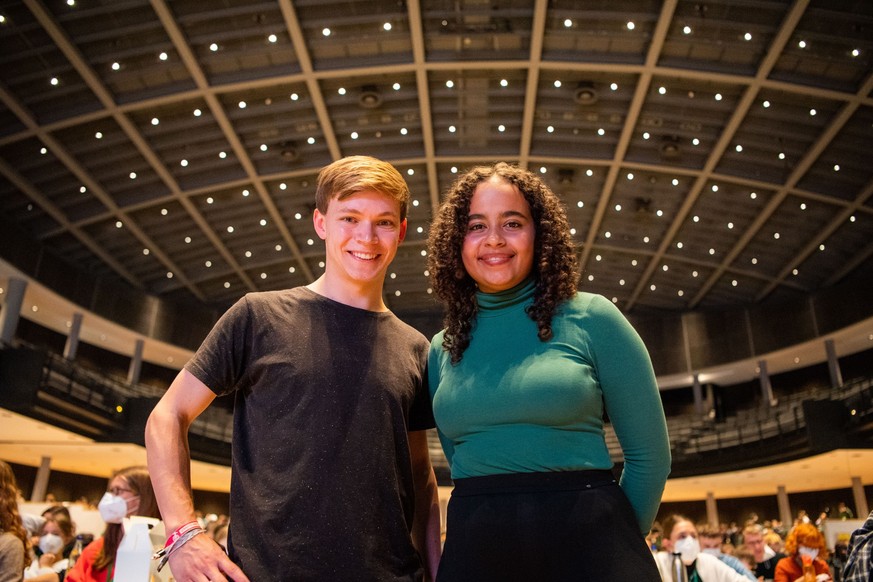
<point x="554" y="266"/>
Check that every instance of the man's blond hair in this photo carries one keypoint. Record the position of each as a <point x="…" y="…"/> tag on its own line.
<point x="354" y="174"/>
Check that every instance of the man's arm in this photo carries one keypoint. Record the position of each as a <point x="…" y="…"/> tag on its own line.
<point x="169" y="463"/>
<point x="426" y="524"/>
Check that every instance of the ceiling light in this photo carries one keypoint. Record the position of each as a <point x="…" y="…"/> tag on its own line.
<point x="452" y="129"/>
<point x="504" y="83"/>
<point x="310" y="140"/>
<point x="812" y="112"/>
<point x="197" y="113"/>
<point x="341" y="90"/>
<point x="164" y="211"/>
<point x="614" y="86"/>
<point x="802" y="44"/>
<point x="54" y="81"/>
<point x="675" y="182"/>
<point x="601" y="131"/>
<point x="715" y="187"/>
<point x="245" y="193"/>
<point x="227" y="284"/>
<point x="242" y="105"/>
<point x="118" y="224"/>
<point x="354" y="135"/>
<point x="747" y="36"/>
<point x="501" y="128"/>
<point x="633" y="262"/>
<point x="208" y="264"/>
<point x="653" y="286"/>
<point x="630" y="176"/>
<point x="739" y="148"/>
<point x="776" y="235"/>
<point x="694" y="274"/>
<point x="754" y="260"/>
<point x="222" y="155"/>
<point x="589" y="172"/>
<point x="734" y="283"/>
<point x="618" y="207"/>
<point x="543" y="170"/>
<point x="2" y="19"/>
<point x="836" y="167"/>
<point x="821" y="247"/>
<point x="557" y="84"/>
<point x="187" y="240"/>
<point x="213" y="47"/>
<point x="292" y="269"/>
<point x="766" y="104"/>
<point x="169" y="275"/>
<point x="310" y="242"/>
<point x="550" y="129"/>
<point x="568" y="23"/>
<point x="695" y="141"/>
<point x="695" y="218"/>
<point x="264" y="147"/>
<point x="711" y="251"/>
<point x="298" y="216"/>
<point x="450" y="83"/>
<point x="404" y="131"/>
<point x="386" y="26"/>
<point x="272" y="38"/>
<point x="679" y="245"/>
<point x="856" y="53"/>
<point x="132" y="175"/>
<point x="71" y="2"/>
<point x="163" y="56"/>
<point x="230" y="229"/>
<point x="662" y="90"/>
<point x="396" y="86"/>
<point x="248" y="254"/>
<point x="580" y="204"/>
<point x="116" y="66"/>
<point x="294" y="96"/>
<point x="145" y="252"/>
<point x="718" y="97"/>
<point x="686" y="29"/>
<point x="585" y="93"/>
<point x="263" y="275"/>
<point x="184" y="163"/>
<point x="730" y="225"/>
<point x="411" y="172"/>
<point x="263" y="222"/>
<point x="795" y="272"/>
<point x="781" y="155"/>
<point x="803" y="205"/>
<point x="607" y="234"/>
<point x="630" y="25"/>
<point x="325" y="31"/>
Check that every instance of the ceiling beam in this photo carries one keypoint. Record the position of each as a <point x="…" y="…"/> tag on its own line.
<point x="537" y="36"/>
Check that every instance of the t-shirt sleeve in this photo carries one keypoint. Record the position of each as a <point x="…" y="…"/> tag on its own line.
<point x="633" y="404"/>
<point x="220" y="362"/>
<point x="421" y="412"/>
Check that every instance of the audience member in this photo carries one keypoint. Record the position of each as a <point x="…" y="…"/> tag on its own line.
<point x="765" y="558"/>
<point x="711" y="542"/>
<point x="746" y="556"/>
<point x="129" y="493"/>
<point x="859" y="564"/>
<point x="680" y="535"/>
<point x="843" y="511"/>
<point x="13" y="537"/>
<point x="804" y="541"/>
<point x="53" y="547"/>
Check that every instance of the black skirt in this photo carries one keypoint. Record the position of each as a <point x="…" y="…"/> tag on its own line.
<point x="574" y="525"/>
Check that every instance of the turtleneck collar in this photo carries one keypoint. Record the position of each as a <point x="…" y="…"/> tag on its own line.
<point x="521" y="294"/>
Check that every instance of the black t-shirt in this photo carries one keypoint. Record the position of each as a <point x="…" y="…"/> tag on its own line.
<point x="321" y="485"/>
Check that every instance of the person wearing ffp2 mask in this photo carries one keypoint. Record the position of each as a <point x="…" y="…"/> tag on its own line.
<point x="680" y="535"/>
<point x="129" y="493"/>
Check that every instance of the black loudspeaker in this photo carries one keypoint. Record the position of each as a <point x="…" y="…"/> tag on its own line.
<point x="826" y="424"/>
<point x="20" y="375"/>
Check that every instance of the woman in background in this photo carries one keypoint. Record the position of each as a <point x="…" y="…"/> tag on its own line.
<point x="13" y="536"/>
<point x="681" y="536"/>
<point x="520" y="381"/>
<point x="129" y="493"/>
<point x="803" y="541"/>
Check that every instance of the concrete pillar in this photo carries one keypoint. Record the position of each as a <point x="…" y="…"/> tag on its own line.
<point x="711" y="510"/>
<point x="135" y="363"/>
<point x="784" y="507"/>
<point x="766" y="387"/>
<point x="73" y="337"/>
<point x="40" y="484"/>
<point x="861" y="508"/>
<point x="698" y="395"/>
<point x="833" y="364"/>
<point x="11" y="310"/>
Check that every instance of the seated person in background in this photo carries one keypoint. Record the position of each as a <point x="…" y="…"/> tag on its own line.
<point x="680" y="535"/>
<point x="53" y="548"/>
<point x="765" y="557"/>
<point x="859" y="566"/>
<point x="746" y="557"/>
<point x="711" y="541"/>
<point x="775" y="542"/>
<point x="804" y="541"/>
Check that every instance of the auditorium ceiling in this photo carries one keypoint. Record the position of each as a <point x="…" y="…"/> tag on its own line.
<point x="709" y="154"/>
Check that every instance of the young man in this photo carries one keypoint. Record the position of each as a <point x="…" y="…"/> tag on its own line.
<point x="331" y="477"/>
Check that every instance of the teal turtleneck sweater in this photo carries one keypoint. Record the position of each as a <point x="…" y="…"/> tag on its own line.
<point x="515" y="404"/>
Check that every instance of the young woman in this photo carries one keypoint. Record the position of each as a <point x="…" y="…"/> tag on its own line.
<point x="129" y="493"/>
<point x="13" y="536"/>
<point x="680" y="535"/>
<point x="520" y="381"/>
<point x="804" y="540"/>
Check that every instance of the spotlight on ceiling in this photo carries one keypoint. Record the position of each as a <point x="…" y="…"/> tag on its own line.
<point x="585" y="93"/>
<point x="565" y="175"/>
<point x="670" y="148"/>
<point x="369" y="97"/>
<point x="288" y="151"/>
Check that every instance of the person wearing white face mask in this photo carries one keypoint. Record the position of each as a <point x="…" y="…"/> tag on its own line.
<point x="680" y="535"/>
<point x="803" y="541"/>
<point x="129" y="493"/>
